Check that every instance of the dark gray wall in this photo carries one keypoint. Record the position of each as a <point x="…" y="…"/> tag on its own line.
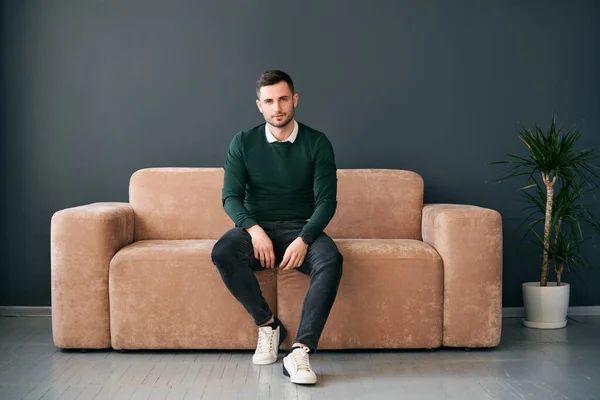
<point x="94" y="90"/>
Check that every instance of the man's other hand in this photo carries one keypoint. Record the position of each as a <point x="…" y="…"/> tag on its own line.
<point x="263" y="246"/>
<point x="294" y="254"/>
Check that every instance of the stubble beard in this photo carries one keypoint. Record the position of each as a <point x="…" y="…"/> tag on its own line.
<point x="284" y="123"/>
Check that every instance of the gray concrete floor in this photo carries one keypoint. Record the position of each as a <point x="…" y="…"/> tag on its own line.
<point x="528" y="364"/>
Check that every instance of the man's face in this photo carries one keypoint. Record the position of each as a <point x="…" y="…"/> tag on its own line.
<point x="277" y="104"/>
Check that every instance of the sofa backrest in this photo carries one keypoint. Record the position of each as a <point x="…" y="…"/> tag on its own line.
<point x="185" y="203"/>
<point x="378" y="203"/>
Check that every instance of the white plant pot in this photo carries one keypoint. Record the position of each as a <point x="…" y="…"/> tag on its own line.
<point x="545" y="307"/>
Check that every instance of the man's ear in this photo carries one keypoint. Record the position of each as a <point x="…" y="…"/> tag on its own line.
<point x="258" y="105"/>
<point x="296" y="100"/>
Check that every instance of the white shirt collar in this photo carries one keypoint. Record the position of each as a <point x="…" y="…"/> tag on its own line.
<point x="291" y="138"/>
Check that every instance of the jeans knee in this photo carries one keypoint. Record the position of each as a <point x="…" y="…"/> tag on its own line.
<point x="218" y="253"/>
<point x="222" y="251"/>
<point x="334" y="264"/>
<point x="339" y="258"/>
<point x="339" y="264"/>
<point x="230" y="247"/>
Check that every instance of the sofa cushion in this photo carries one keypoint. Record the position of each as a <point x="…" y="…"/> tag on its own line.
<point x="167" y="294"/>
<point x="390" y="296"/>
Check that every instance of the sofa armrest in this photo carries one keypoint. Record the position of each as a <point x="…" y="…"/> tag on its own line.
<point x="469" y="240"/>
<point x="83" y="241"/>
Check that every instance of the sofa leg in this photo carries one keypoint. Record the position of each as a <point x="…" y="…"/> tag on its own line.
<point x="122" y="351"/>
<point x="432" y="349"/>
<point x="467" y="349"/>
<point x="83" y="350"/>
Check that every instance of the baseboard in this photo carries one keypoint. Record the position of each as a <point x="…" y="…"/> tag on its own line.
<point x="15" y="311"/>
<point x="519" y="312"/>
<point x="507" y="312"/>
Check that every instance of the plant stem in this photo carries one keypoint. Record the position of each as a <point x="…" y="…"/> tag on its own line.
<point x="549" y="197"/>
<point x="560" y="267"/>
<point x="558" y="273"/>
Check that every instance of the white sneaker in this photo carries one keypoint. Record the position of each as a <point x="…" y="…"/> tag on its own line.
<point x="267" y="347"/>
<point x="297" y="366"/>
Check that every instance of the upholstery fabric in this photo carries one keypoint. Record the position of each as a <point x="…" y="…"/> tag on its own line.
<point x="469" y="240"/>
<point x="139" y="274"/>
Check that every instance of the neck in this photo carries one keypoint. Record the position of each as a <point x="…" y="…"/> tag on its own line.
<point x="282" y="133"/>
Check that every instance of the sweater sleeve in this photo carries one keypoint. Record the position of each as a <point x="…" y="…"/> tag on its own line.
<point x="234" y="185"/>
<point x="324" y="188"/>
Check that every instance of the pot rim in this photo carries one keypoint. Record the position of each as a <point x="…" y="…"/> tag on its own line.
<point x="550" y="285"/>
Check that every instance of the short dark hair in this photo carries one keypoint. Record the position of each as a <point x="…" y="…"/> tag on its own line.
<point x="272" y="77"/>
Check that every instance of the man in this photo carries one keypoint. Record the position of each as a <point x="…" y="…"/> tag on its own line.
<point x="280" y="189"/>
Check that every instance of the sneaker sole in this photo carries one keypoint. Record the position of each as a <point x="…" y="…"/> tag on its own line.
<point x="265" y="362"/>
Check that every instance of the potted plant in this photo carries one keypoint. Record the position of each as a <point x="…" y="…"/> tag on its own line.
<point x="560" y="177"/>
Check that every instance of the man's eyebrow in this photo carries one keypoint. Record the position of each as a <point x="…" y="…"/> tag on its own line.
<point x="282" y="97"/>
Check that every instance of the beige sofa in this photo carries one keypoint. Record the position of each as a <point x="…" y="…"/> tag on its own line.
<point x="139" y="275"/>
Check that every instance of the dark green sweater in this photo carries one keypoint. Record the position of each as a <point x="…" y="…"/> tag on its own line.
<point x="280" y="181"/>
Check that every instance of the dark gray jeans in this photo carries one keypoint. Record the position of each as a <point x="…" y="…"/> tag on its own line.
<point x="233" y="255"/>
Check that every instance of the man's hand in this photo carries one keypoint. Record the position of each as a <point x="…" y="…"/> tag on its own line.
<point x="294" y="254"/>
<point x="263" y="246"/>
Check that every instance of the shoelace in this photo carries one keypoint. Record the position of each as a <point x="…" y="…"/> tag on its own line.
<point x="265" y="341"/>
<point x="301" y="359"/>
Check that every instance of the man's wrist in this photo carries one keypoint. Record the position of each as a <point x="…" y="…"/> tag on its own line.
<point x="252" y="228"/>
<point x="247" y="223"/>
<point x="307" y="237"/>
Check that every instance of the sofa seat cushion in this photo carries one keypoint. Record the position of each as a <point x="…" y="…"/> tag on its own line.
<point x="390" y="296"/>
<point x="167" y="294"/>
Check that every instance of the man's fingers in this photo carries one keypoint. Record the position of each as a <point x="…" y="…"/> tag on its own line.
<point x="284" y="262"/>
<point x="286" y="259"/>
<point x="267" y="253"/>
<point x="291" y="262"/>
<point x="299" y="260"/>
<point x="270" y="258"/>
<point x="263" y="259"/>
